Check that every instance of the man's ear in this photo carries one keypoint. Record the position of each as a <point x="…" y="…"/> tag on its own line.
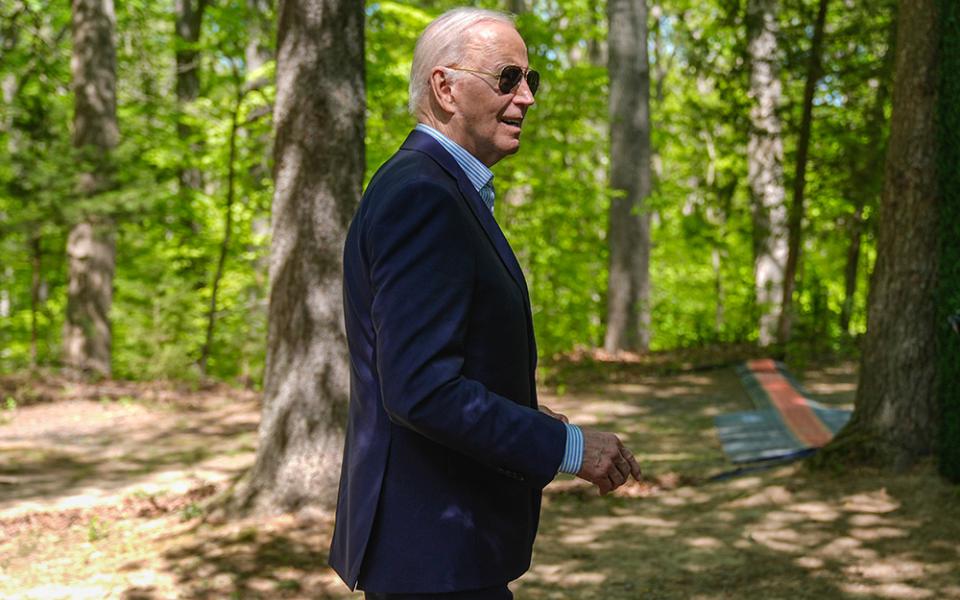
<point x="442" y="87"/>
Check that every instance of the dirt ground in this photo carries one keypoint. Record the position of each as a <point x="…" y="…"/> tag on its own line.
<point x="103" y="488"/>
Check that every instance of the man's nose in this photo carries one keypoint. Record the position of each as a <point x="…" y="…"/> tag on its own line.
<point x="524" y="95"/>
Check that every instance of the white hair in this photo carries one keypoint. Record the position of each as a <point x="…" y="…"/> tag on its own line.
<point x="444" y="43"/>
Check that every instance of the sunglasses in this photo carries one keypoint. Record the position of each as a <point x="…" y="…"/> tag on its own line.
<point x="509" y="77"/>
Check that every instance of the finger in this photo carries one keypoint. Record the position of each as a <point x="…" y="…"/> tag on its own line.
<point x="613" y="483"/>
<point x="606" y="486"/>
<point x="622" y="466"/>
<point x="616" y="477"/>
<point x="634" y="465"/>
<point x="563" y="418"/>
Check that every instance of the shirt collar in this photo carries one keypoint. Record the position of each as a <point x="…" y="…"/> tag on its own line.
<point x="477" y="172"/>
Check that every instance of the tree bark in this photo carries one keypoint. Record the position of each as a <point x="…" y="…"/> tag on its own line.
<point x="852" y="266"/>
<point x="795" y="227"/>
<point x="765" y="166"/>
<point x="36" y="275"/>
<point x="319" y="167"/>
<point x="90" y="243"/>
<point x="628" y="289"/>
<point x="895" y="419"/>
<point x="189" y="18"/>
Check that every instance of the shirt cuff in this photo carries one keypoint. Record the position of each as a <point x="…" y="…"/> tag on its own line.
<point x="573" y="454"/>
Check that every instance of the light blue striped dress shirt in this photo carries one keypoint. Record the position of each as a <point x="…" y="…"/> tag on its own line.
<point x="482" y="177"/>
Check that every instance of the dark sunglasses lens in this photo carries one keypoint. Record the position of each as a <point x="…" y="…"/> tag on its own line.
<point x="533" y="80"/>
<point x="509" y="78"/>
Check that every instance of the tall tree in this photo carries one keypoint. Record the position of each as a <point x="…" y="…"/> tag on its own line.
<point x="765" y="165"/>
<point x="628" y="288"/>
<point x="319" y="167"/>
<point x="91" y="245"/>
<point x="189" y="18"/>
<point x="795" y="225"/>
<point x="895" y="420"/>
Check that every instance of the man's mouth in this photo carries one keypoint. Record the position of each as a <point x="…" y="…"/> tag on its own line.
<point x="515" y="122"/>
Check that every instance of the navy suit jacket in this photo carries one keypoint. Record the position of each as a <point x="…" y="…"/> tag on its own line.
<point x="446" y="454"/>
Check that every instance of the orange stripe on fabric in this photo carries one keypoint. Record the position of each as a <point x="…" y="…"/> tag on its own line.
<point x="797" y="414"/>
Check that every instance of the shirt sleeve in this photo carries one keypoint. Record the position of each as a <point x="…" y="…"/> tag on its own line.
<point x="573" y="454"/>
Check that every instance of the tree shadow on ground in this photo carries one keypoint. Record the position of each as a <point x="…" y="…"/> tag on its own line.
<point x="783" y="534"/>
<point x="276" y="559"/>
<point x="119" y="449"/>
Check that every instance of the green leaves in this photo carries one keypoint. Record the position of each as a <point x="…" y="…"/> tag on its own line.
<point x="553" y="196"/>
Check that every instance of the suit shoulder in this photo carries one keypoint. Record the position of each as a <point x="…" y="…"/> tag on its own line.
<point x="409" y="166"/>
<point x="406" y="176"/>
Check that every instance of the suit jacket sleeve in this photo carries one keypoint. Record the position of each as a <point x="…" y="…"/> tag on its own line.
<point x="418" y="250"/>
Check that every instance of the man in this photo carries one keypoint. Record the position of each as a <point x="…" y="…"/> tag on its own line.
<point x="446" y="451"/>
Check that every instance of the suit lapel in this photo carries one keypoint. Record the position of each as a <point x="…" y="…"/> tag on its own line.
<point x="422" y="142"/>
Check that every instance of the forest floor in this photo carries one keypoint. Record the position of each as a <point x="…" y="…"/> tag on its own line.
<point x="103" y="487"/>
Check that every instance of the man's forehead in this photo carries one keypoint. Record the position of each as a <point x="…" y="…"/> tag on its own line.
<point x="497" y="42"/>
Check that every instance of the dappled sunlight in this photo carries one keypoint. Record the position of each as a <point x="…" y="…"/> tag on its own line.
<point x="674" y="535"/>
<point x="629" y="389"/>
<point x="896" y="591"/>
<point x="834" y="385"/>
<point x="685" y="496"/>
<point x="711" y="411"/>
<point x="894" y="568"/>
<point x="809" y="562"/>
<point x="705" y="543"/>
<point x="667" y="457"/>
<point x="878" y="501"/>
<point x="89" y="453"/>
<point x="768" y="532"/>
<point x="783" y="539"/>
<point x="879" y="533"/>
<point x="774" y="494"/>
<point x="816" y="511"/>
<point x="568" y="576"/>
<point x="844" y="548"/>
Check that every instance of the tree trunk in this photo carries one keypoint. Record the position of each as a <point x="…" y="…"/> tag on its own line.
<point x="717" y="262"/>
<point x="36" y="275"/>
<point x="662" y="60"/>
<point x="189" y="17"/>
<point x="895" y="419"/>
<point x="852" y="266"/>
<point x="319" y="167"/>
<point x="765" y="166"/>
<point x="597" y="46"/>
<point x="628" y="289"/>
<point x="795" y="229"/>
<point x="518" y="7"/>
<point x="948" y="301"/>
<point x="90" y="243"/>
<point x="258" y="51"/>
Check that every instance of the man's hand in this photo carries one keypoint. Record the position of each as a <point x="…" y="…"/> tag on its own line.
<point x="606" y="462"/>
<point x="555" y="415"/>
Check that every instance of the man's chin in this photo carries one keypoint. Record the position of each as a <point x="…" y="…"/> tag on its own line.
<point x="511" y="146"/>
